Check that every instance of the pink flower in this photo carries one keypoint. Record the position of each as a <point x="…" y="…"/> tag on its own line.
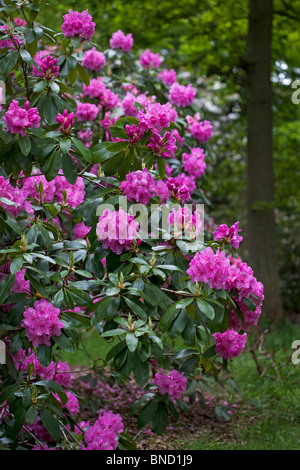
<point x="67" y="122"/>
<point x="78" y="24"/>
<point x="93" y="60"/>
<point x="185" y="223"/>
<point x="139" y="186"/>
<point x="75" y="192"/>
<point x="86" y="112"/>
<point x="41" y="322"/>
<point x="194" y="162"/>
<point x="134" y="133"/>
<point x="201" y="131"/>
<point x="81" y="230"/>
<point x="162" y="191"/>
<point x="18" y="120"/>
<point x="16" y="195"/>
<point x="128" y="103"/>
<point x="155" y="116"/>
<point x="174" y="383"/>
<point x="47" y="64"/>
<point x="72" y="404"/>
<point x="117" y="229"/>
<point x="189" y="181"/>
<point x="178" y="190"/>
<point x="32" y="184"/>
<point x="150" y="60"/>
<point x="97" y="89"/>
<point x="230" y="235"/>
<point x="103" y="434"/>
<point x="162" y="146"/>
<point x="230" y="343"/>
<point x="209" y="267"/>
<point x="168" y="77"/>
<point x="119" y="40"/>
<point x="181" y="95"/>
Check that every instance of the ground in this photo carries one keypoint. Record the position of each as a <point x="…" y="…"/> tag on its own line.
<point x="180" y="433"/>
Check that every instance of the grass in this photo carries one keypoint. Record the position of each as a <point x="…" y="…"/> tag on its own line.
<point x="268" y="413"/>
<point x="268" y="417"/>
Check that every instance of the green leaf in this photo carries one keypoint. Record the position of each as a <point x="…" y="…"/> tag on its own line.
<point x="16" y="264"/>
<point x="82" y="149"/>
<point x="137" y="309"/>
<point x="50" y="424"/>
<point x="6" y="287"/>
<point x="31" y="415"/>
<point x="206" y="308"/>
<point x="8" y="62"/>
<point x="25" y="144"/>
<point x="44" y="355"/>
<point x="161" y="166"/>
<point x="132" y="341"/>
<point x="147" y="412"/>
<point x="160" y="419"/>
<point x="25" y="56"/>
<point x="69" y="169"/>
<point x="83" y="74"/>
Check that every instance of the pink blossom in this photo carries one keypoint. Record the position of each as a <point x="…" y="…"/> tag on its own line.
<point x="163" y="146"/>
<point x="78" y="24"/>
<point x="250" y="318"/>
<point x="139" y="186"/>
<point x="41" y="322"/>
<point x="194" y="162"/>
<point x="128" y="103"/>
<point x="103" y="434"/>
<point x="174" y="383"/>
<point x="209" y="267"/>
<point x="81" y="230"/>
<point x="178" y="137"/>
<point x="168" y="77"/>
<point x="86" y="112"/>
<point x="181" y="95"/>
<point x="229" y="235"/>
<point x="32" y="184"/>
<point x="18" y="119"/>
<point x="178" y="190"/>
<point x="72" y="404"/>
<point x="85" y="136"/>
<point x="189" y="181"/>
<point x="16" y="195"/>
<point x="201" y="131"/>
<point x="47" y="64"/>
<point x="19" y="22"/>
<point x="117" y="229"/>
<point x="75" y="192"/>
<point x="155" y="116"/>
<point x="230" y="343"/>
<point x="119" y="40"/>
<point x="67" y="122"/>
<point x="134" y="133"/>
<point x="150" y="60"/>
<point x="93" y="60"/>
<point x="184" y="222"/>
<point x="162" y="191"/>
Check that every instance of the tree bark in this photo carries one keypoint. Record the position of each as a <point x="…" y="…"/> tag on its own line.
<point x="261" y="233"/>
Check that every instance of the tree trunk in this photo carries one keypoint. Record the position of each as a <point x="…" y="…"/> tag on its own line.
<point x="260" y="177"/>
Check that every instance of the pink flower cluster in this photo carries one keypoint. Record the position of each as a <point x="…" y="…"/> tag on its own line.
<point x="98" y="90"/>
<point x="58" y="371"/>
<point x="117" y="230"/>
<point x="18" y="119"/>
<point x="230" y="343"/>
<point x="47" y="64"/>
<point x="134" y="133"/>
<point x="86" y="112"/>
<point x="80" y="230"/>
<point x="32" y="184"/>
<point x="139" y="186"/>
<point x="16" y="196"/>
<point x="93" y="60"/>
<point x="178" y="190"/>
<point x="66" y="121"/>
<point x="163" y="146"/>
<point x="174" y="383"/>
<point x="75" y="192"/>
<point x="209" y="267"/>
<point x="185" y="223"/>
<point x="150" y="60"/>
<point x="168" y="77"/>
<point x="181" y="95"/>
<point x="229" y="235"/>
<point x="129" y="100"/>
<point x="41" y="322"/>
<point x="156" y="116"/>
<point x="78" y="24"/>
<point x="201" y="131"/>
<point x="119" y="40"/>
<point x="194" y="162"/>
<point x="103" y="434"/>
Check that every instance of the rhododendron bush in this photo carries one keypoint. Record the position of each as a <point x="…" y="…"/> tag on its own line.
<point x="103" y="155"/>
